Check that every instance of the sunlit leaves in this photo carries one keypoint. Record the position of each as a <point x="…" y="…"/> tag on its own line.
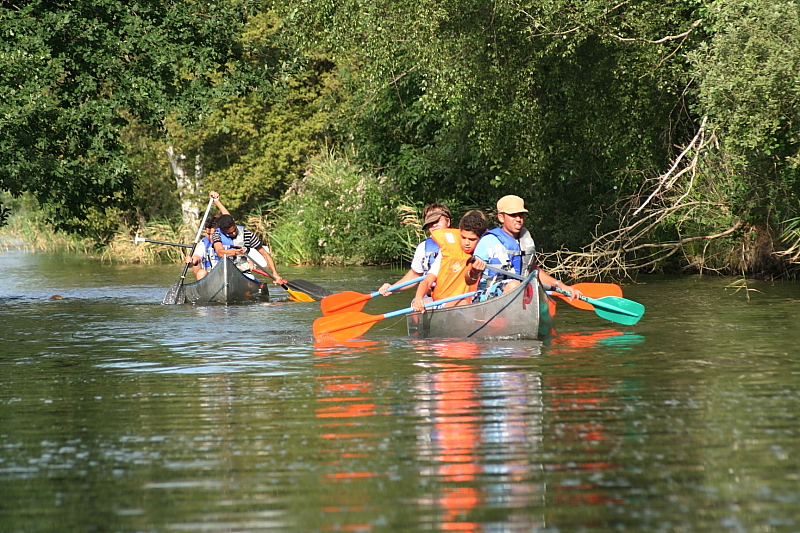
<point x="71" y="71"/>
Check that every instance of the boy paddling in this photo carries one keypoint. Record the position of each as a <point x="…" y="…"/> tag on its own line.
<point x="434" y="216"/>
<point x="501" y="247"/>
<point x="452" y="272"/>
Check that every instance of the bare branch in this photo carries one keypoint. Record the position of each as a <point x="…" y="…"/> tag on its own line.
<point x="663" y="40"/>
<point x="661" y="204"/>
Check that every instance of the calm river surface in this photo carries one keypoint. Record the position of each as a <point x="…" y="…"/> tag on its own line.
<point x="118" y="413"/>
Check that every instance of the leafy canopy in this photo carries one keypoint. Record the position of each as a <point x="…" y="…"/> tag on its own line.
<point x="72" y="71"/>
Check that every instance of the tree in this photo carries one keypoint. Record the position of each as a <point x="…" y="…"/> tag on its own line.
<point x="72" y="73"/>
<point x="567" y="104"/>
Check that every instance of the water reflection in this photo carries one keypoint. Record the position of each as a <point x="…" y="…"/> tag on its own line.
<point x="120" y="414"/>
<point x="345" y="410"/>
<point x="480" y="430"/>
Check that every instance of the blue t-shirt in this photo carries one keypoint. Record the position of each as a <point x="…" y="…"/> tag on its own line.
<point x="490" y="247"/>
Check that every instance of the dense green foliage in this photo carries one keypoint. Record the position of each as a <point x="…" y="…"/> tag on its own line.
<point x="577" y="107"/>
<point x="338" y="213"/>
<point x="71" y="72"/>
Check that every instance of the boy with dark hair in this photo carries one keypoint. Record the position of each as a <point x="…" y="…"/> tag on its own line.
<point x="234" y="241"/>
<point x="204" y="257"/>
<point x="450" y="271"/>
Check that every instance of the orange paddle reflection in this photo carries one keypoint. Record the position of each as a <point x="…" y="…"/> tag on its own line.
<point x="345" y="403"/>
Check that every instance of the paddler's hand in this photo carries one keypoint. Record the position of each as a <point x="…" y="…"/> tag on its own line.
<point x="383" y="290"/>
<point x="277" y="279"/>
<point x="574" y="293"/>
<point x="478" y="264"/>
<point x="418" y="304"/>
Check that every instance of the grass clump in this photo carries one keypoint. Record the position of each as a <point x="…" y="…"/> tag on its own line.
<point x="27" y="228"/>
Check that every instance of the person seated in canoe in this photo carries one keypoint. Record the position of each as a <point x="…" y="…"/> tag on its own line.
<point x="451" y="270"/>
<point x="234" y="242"/>
<point x="511" y="248"/>
<point x="434" y="216"/>
<point x="204" y="257"/>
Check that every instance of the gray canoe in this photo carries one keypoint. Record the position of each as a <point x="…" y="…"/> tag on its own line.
<point x="225" y="284"/>
<point x="523" y="313"/>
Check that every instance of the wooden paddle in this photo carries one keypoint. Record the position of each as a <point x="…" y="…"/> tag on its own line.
<point x="613" y="308"/>
<point x="351" y="301"/>
<point x="344" y="326"/>
<point x="295" y="296"/>
<point x="590" y="290"/>
<point x="177" y="294"/>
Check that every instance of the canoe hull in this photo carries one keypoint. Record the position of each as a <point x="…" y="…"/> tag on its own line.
<point x="524" y="313"/>
<point x="225" y="284"/>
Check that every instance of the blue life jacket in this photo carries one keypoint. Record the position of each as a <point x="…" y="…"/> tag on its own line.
<point x="431" y="251"/>
<point x="210" y="258"/>
<point x="228" y="243"/>
<point x="512" y="249"/>
<point x="237" y="242"/>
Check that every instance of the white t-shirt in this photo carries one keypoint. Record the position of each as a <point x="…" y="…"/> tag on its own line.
<point x="417" y="264"/>
<point x="435" y="266"/>
<point x="202" y="248"/>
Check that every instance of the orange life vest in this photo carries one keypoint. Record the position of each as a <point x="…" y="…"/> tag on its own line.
<point x="450" y="280"/>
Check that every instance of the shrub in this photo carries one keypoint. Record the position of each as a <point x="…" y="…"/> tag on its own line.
<point x="337" y="213"/>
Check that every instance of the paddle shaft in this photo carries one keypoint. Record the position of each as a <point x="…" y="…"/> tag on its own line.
<point x="199" y="233"/>
<point x="175" y="292"/>
<point x="430" y="304"/>
<point x="138" y="239"/>
<point x="265" y="273"/>
<point x="365" y="319"/>
<point x="365" y="297"/>
<point x="595" y="302"/>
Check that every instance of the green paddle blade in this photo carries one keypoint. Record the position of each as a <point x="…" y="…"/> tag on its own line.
<point x="619" y="310"/>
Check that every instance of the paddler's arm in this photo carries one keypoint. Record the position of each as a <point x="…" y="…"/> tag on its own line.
<point x="472" y="275"/>
<point x="408" y="275"/>
<point x="547" y="279"/>
<point x="418" y="303"/>
<point x="222" y="252"/>
<point x="214" y="195"/>
<point x="278" y="280"/>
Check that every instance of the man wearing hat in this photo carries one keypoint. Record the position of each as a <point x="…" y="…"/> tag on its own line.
<point x="511" y="247"/>
<point x="434" y="216"/>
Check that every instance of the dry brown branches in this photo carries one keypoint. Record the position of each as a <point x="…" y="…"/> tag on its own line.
<point x="667" y="201"/>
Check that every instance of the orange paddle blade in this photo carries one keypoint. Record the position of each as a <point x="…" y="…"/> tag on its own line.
<point x="343" y="326"/>
<point x="343" y="302"/>
<point x="592" y="290"/>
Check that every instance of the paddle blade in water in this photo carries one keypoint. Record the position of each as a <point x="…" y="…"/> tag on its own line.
<point x="592" y="290"/>
<point x="314" y="291"/>
<point x="343" y="326"/>
<point x="175" y="295"/>
<point x="619" y="310"/>
<point x="298" y="296"/>
<point x="343" y="302"/>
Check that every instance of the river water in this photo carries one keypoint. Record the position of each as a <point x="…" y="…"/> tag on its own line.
<point x="118" y="413"/>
